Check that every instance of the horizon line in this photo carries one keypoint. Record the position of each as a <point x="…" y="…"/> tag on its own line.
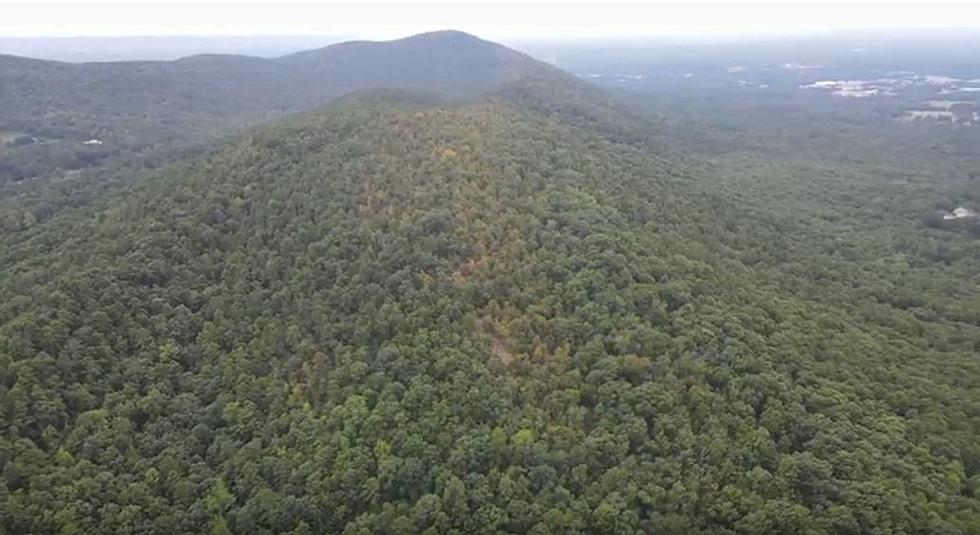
<point x="386" y="33"/>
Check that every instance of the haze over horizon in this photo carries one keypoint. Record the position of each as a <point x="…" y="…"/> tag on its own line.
<point x="498" y="21"/>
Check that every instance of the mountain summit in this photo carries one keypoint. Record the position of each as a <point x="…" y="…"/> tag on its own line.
<point x="451" y="61"/>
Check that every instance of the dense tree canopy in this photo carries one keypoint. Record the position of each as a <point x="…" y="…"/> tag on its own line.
<point x="524" y="314"/>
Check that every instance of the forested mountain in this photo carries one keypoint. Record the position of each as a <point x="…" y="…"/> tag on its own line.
<point x="449" y="61"/>
<point x="149" y="110"/>
<point x="523" y="313"/>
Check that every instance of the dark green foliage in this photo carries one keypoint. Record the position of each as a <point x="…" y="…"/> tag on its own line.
<point x="510" y="316"/>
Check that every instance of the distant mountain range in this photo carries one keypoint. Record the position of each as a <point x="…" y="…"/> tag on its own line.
<point x="146" y="107"/>
<point x="82" y="49"/>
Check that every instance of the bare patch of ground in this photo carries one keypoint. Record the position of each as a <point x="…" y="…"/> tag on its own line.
<point x="499" y="345"/>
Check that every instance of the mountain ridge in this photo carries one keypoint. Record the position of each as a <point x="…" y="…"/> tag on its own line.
<point x="136" y="107"/>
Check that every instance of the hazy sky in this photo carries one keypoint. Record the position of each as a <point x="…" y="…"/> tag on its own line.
<point x="371" y="19"/>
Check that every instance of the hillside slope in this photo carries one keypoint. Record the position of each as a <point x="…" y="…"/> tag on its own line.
<point x="501" y="316"/>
